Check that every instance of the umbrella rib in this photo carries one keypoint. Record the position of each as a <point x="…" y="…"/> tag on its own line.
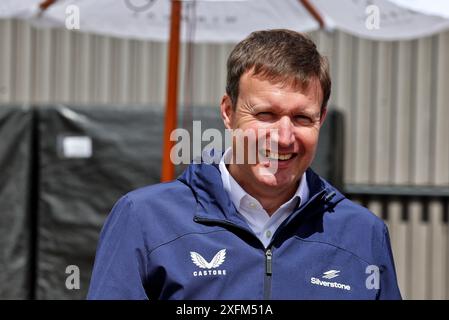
<point x="313" y="11"/>
<point x="44" y="5"/>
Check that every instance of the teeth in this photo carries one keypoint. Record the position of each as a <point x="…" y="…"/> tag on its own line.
<point x="277" y="156"/>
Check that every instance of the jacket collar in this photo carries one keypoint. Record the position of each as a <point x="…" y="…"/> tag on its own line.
<point x="215" y="204"/>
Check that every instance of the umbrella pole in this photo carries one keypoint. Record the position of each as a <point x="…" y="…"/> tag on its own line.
<point x="168" y="169"/>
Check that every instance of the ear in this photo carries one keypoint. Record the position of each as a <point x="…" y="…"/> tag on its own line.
<point x="323" y="115"/>
<point x="227" y="112"/>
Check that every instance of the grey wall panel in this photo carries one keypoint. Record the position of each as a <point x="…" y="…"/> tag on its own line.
<point x="419" y="273"/>
<point x="438" y="252"/>
<point x="420" y="242"/>
<point x="41" y="76"/>
<point x="421" y="112"/>
<point x="398" y="230"/>
<point x="381" y="116"/>
<point x="441" y="127"/>
<point x="6" y="60"/>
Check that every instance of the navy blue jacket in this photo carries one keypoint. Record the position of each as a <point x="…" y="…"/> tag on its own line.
<point x="185" y="240"/>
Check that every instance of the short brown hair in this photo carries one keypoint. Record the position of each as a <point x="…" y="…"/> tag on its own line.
<point x="278" y="55"/>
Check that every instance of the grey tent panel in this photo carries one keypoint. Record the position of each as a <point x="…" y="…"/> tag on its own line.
<point x="89" y="157"/>
<point x="15" y="232"/>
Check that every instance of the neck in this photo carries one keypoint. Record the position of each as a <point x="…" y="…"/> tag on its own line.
<point x="271" y="198"/>
<point x="273" y="202"/>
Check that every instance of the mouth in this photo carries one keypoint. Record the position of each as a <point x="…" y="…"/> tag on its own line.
<point x="274" y="156"/>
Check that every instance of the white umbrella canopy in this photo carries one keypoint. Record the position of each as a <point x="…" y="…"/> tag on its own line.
<point x="382" y="19"/>
<point x="231" y="20"/>
<point x="215" y="21"/>
<point x="438" y="8"/>
<point x="28" y="10"/>
<point x="17" y="8"/>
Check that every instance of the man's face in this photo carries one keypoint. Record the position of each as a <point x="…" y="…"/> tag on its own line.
<point x="296" y="119"/>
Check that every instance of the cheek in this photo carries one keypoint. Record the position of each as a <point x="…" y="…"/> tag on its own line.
<point x="255" y="130"/>
<point x="307" y="139"/>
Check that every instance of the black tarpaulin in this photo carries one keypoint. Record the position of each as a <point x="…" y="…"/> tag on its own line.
<point x="89" y="157"/>
<point x="15" y="232"/>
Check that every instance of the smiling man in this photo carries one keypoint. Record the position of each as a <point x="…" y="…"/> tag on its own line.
<point x="264" y="229"/>
<point x="291" y="117"/>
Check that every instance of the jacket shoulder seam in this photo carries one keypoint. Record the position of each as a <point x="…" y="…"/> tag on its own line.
<point x="150" y="251"/>
<point x="338" y="247"/>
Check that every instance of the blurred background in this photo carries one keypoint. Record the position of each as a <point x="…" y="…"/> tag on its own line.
<point x="83" y="100"/>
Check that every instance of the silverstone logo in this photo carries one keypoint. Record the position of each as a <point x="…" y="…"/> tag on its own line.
<point x="210" y="267"/>
<point x="330" y="275"/>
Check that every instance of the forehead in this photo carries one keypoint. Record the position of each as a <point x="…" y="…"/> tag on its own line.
<point x="259" y="87"/>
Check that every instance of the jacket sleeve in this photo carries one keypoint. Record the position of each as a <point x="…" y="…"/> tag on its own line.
<point x="389" y="289"/>
<point x="121" y="260"/>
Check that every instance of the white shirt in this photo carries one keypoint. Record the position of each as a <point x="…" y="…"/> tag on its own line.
<point x="255" y="215"/>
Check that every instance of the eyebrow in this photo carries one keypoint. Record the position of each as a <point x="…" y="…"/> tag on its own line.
<point x="275" y="107"/>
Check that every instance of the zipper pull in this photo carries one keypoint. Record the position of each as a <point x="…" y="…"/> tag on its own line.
<point x="329" y="196"/>
<point x="268" y="256"/>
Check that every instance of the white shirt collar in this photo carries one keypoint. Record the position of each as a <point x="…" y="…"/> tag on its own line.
<point x="263" y="225"/>
<point x="238" y="194"/>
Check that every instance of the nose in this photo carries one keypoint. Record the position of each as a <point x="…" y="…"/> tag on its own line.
<point x="285" y="132"/>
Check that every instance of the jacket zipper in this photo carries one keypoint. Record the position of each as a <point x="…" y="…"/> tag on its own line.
<point x="268" y="255"/>
<point x="268" y="251"/>
<point x="268" y="274"/>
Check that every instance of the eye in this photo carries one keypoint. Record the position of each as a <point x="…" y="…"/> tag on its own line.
<point x="304" y="120"/>
<point x="265" y="116"/>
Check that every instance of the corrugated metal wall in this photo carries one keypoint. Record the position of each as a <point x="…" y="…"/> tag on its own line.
<point x="395" y="97"/>
<point x="419" y="233"/>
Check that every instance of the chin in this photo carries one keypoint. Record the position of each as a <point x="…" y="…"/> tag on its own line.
<point x="275" y="180"/>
